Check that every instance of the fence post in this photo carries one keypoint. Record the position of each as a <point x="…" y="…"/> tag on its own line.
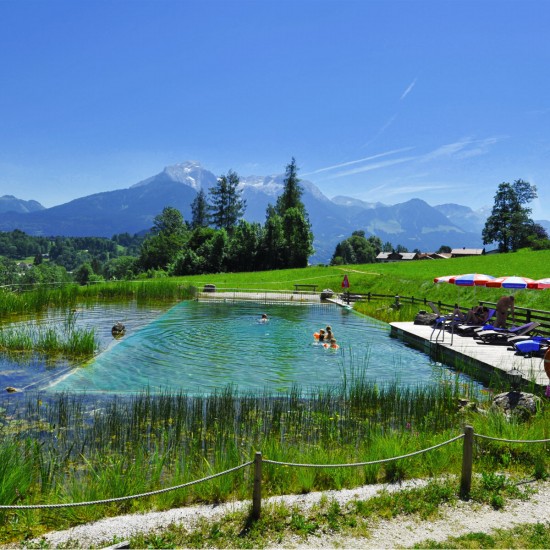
<point x="368" y="297"/>
<point x="257" y="491"/>
<point x="467" y="461"/>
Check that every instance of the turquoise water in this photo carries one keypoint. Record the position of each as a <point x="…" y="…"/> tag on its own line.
<point x="199" y="347"/>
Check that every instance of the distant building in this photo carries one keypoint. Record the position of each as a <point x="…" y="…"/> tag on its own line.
<point x="407" y="256"/>
<point x="385" y="257"/>
<point x="461" y="252"/>
<point x="434" y="256"/>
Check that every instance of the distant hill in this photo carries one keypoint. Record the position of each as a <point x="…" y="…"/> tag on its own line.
<point x="465" y="217"/>
<point x="9" y="203"/>
<point x="413" y="224"/>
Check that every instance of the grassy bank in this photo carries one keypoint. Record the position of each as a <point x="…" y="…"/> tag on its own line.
<point x="70" y="449"/>
<point x="403" y="278"/>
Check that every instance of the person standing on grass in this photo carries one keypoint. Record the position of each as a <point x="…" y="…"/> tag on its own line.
<point x="504" y="306"/>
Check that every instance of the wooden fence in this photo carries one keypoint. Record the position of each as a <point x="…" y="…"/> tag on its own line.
<point x="521" y="315"/>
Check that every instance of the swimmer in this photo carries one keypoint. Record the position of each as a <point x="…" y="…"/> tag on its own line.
<point x="332" y="345"/>
<point x="263" y="318"/>
<point x="329" y="333"/>
<point x="319" y="335"/>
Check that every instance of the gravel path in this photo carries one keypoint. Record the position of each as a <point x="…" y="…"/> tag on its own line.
<point x="458" y="519"/>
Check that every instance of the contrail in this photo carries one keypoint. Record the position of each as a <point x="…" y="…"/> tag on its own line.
<point x="408" y="90"/>
<point x="335" y="166"/>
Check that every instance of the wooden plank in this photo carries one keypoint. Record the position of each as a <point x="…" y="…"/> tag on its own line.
<point x="485" y="357"/>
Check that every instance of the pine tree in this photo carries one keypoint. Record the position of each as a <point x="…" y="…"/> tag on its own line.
<point x="297" y="235"/>
<point x="291" y="197"/>
<point x="199" y="210"/>
<point x="227" y="205"/>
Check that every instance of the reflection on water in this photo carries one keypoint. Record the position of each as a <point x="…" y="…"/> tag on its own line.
<point x="200" y="347"/>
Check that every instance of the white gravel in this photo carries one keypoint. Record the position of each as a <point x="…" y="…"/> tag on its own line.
<point x="455" y="520"/>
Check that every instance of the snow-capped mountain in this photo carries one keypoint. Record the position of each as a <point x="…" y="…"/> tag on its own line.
<point x="413" y="224"/>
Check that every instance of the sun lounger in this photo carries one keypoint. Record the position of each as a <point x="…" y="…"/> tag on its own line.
<point x="535" y="345"/>
<point x="502" y="335"/>
<point x="441" y="324"/>
<point x="469" y="330"/>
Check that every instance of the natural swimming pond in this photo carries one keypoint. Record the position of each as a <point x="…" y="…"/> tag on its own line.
<point x="200" y="347"/>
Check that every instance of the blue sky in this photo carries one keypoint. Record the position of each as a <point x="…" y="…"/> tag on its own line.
<point x="381" y="100"/>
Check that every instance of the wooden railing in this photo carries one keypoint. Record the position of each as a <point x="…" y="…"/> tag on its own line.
<point x="521" y="315"/>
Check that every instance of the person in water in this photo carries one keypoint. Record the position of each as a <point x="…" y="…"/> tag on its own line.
<point x="332" y="345"/>
<point x="329" y="334"/>
<point x="321" y="336"/>
<point x="264" y="318"/>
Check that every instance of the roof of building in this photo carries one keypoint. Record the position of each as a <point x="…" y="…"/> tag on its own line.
<point x="467" y="251"/>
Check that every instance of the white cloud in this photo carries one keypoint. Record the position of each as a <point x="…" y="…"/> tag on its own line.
<point x="462" y="149"/>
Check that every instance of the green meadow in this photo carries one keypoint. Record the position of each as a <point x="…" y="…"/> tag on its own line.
<point x="66" y="448"/>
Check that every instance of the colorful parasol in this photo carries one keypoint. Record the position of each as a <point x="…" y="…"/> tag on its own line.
<point x="472" y="279"/>
<point x="512" y="282"/>
<point x="540" y="284"/>
<point x="445" y="278"/>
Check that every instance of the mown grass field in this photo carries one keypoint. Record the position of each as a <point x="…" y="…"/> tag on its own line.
<point x="404" y="278"/>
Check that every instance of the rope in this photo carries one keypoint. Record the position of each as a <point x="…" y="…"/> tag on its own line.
<point x="120" y="499"/>
<point x="364" y="463"/>
<point x="513" y="440"/>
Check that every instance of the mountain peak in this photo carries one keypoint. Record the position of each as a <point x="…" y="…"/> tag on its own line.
<point x="189" y="173"/>
<point x="10" y="203"/>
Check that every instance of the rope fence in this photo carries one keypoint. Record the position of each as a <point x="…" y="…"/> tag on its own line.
<point x="120" y="499"/>
<point x="381" y="461"/>
<point x="465" y="481"/>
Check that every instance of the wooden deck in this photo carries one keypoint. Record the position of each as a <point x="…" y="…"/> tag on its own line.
<point x="481" y="360"/>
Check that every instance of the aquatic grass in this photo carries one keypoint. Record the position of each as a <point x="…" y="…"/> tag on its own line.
<point x="91" y="448"/>
<point x="69" y="340"/>
<point x="39" y="298"/>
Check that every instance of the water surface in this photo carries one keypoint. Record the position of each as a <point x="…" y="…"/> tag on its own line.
<point x="200" y="347"/>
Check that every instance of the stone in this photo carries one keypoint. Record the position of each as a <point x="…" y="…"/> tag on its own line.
<point x="517" y="403"/>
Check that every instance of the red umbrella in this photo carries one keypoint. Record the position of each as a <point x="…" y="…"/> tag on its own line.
<point x="471" y="279"/>
<point x="512" y="282"/>
<point x="539" y="284"/>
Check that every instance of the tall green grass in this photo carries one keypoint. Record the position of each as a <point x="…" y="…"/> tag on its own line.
<point x="70" y="448"/>
<point x="68" y="340"/>
<point x="41" y="298"/>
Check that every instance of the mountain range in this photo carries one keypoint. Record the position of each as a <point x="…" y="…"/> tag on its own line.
<point x="414" y="224"/>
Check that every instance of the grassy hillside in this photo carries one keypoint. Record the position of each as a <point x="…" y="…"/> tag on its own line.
<point x="405" y="278"/>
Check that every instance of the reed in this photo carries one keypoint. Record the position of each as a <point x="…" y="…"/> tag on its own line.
<point x="40" y="298"/>
<point x="69" y="340"/>
<point x="88" y="449"/>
